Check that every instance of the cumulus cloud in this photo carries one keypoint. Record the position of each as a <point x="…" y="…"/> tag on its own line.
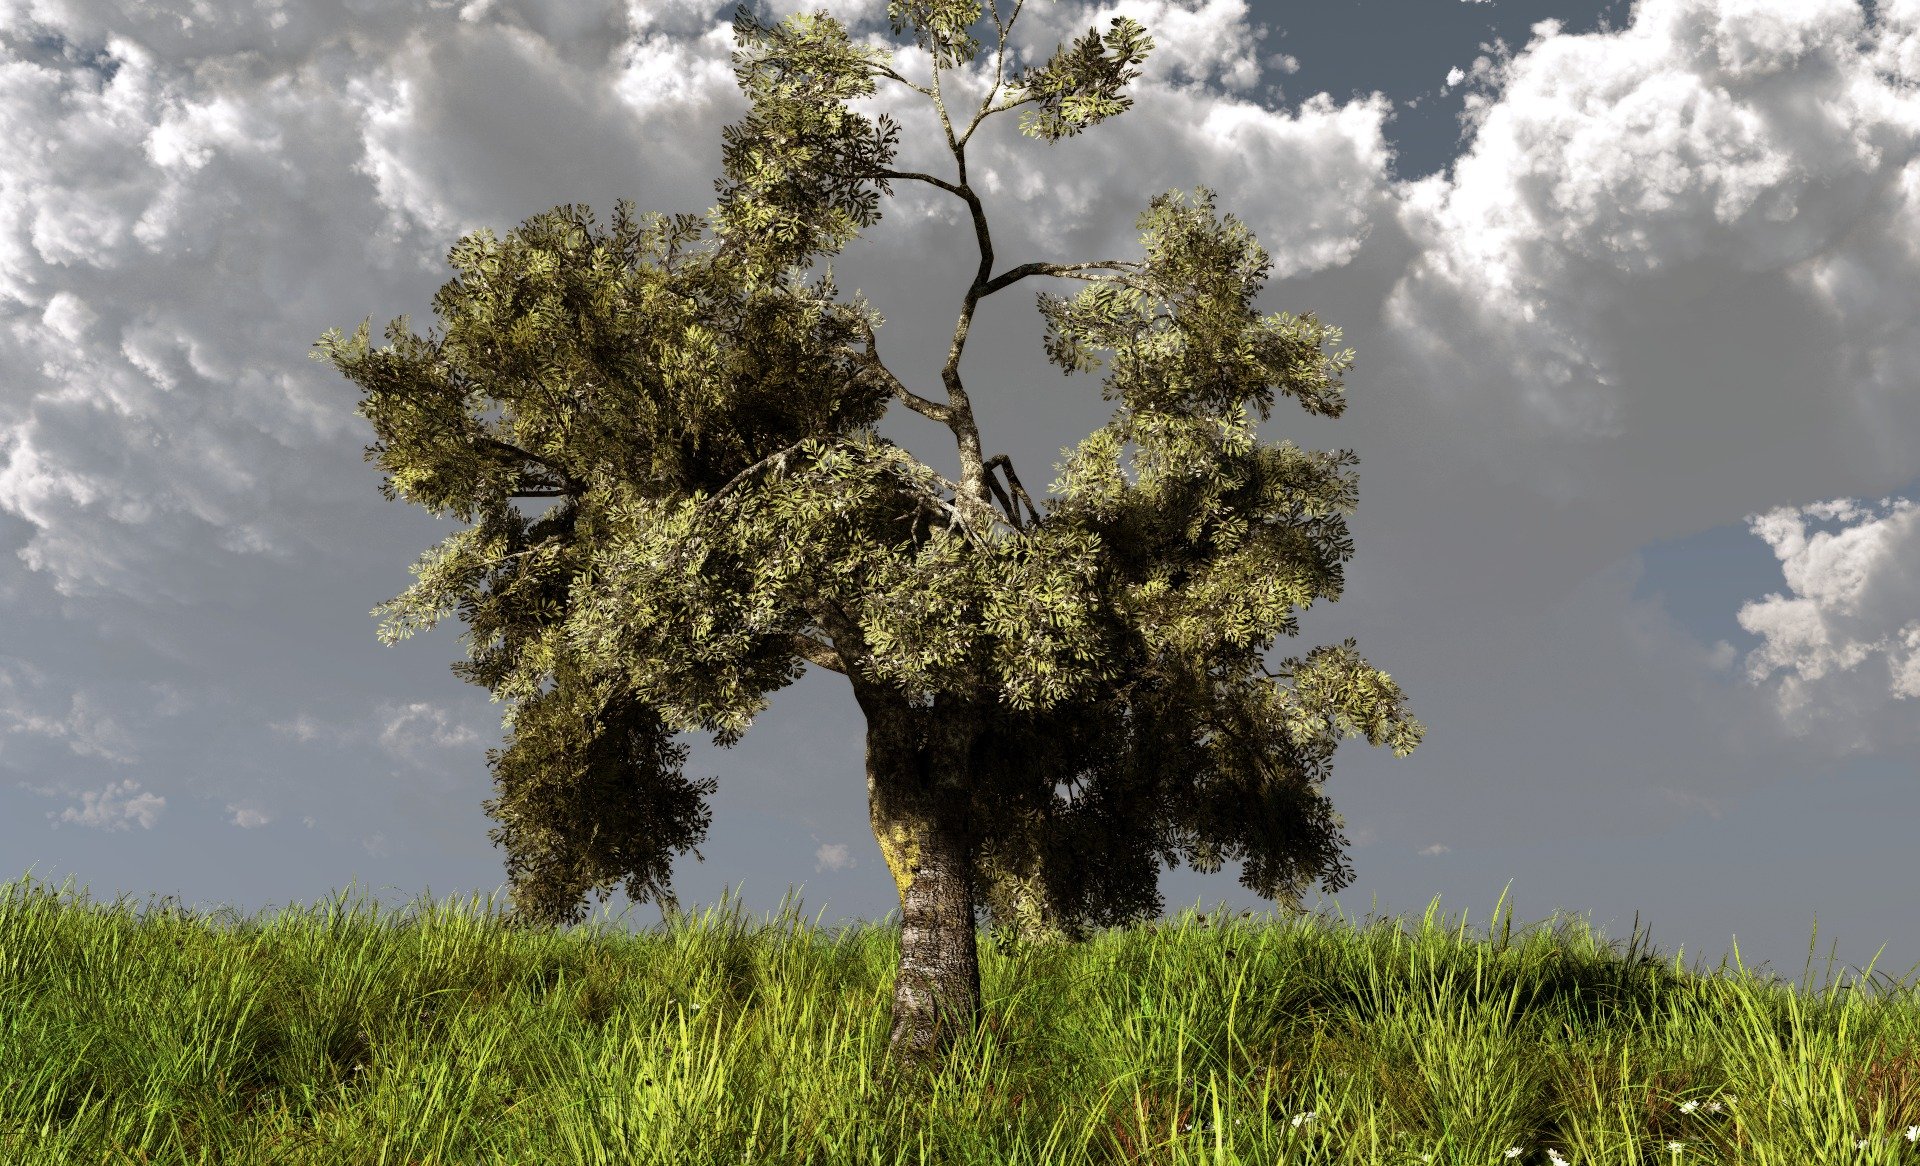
<point x="114" y="809"/>
<point x="1846" y="640"/>
<point x="156" y="381"/>
<point x="186" y="202"/>
<point x="1209" y="41"/>
<point x="1705" y="154"/>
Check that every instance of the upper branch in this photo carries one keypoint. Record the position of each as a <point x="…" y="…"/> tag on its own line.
<point x="999" y="64"/>
<point x="1019" y="491"/>
<point x="940" y="107"/>
<point x="887" y="71"/>
<point x="939" y="182"/>
<point x="917" y="403"/>
<point x="1062" y="269"/>
<point x="779" y="455"/>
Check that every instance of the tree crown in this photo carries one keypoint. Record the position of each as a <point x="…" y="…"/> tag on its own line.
<point x="729" y="514"/>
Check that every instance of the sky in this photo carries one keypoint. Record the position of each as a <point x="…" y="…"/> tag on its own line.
<point x="1634" y="292"/>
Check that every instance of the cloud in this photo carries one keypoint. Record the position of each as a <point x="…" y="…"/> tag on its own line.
<point x="1848" y="640"/>
<point x="1702" y="154"/>
<point x="186" y="203"/>
<point x="248" y="817"/>
<point x="156" y="378"/>
<point x="832" y="856"/>
<point x="1674" y="271"/>
<point x="404" y="734"/>
<point x="1208" y="43"/>
<point x="85" y="726"/>
<point x="114" y="808"/>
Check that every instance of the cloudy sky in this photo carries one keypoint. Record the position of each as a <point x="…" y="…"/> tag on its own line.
<point x="1634" y="292"/>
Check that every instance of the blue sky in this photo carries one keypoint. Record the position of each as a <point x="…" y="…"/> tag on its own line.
<point x="1636" y="301"/>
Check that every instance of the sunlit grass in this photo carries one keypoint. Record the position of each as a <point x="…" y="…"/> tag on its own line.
<point x="339" y="1036"/>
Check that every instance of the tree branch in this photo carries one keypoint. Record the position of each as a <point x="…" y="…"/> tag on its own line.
<point x="1006" y="463"/>
<point x="568" y="483"/>
<point x="887" y="71"/>
<point x="817" y="653"/>
<point x="918" y="404"/>
<point x="942" y="183"/>
<point x="1001" y="494"/>
<point x="779" y="455"/>
<point x="999" y="64"/>
<point x="942" y="505"/>
<point x="1066" y="270"/>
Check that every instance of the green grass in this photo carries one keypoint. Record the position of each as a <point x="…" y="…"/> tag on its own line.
<point x="344" y="1037"/>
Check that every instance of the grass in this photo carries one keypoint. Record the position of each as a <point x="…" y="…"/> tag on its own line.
<point x="342" y="1037"/>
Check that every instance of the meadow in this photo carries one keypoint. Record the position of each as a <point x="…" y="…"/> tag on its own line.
<point x="442" y="1036"/>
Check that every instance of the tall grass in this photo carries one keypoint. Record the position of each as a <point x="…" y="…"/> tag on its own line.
<point x="444" y="1037"/>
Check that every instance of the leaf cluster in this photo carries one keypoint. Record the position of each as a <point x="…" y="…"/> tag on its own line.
<point x="571" y="361"/>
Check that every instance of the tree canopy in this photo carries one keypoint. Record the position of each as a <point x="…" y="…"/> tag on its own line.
<point x="728" y="514"/>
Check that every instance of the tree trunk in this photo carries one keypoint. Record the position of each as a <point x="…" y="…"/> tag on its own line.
<point x="917" y="798"/>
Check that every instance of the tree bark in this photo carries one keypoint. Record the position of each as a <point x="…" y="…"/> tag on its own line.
<point x="918" y="797"/>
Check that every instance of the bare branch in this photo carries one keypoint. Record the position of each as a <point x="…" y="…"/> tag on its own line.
<point x="918" y="404"/>
<point x="817" y="653"/>
<point x="887" y="71"/>
<point x="942" y="183"/>
<point x="1006" y="463"/>
<point x="999" y="63"/>
<point x="1066" y="270"/>
<point x="1001" y="494"/>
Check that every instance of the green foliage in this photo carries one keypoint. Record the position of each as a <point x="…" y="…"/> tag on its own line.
<point x="940" y="27"/>
<point x="588" y="752"/>
<point x="1080" y="87"/>
<point x="727" y="514"/>
<point x="796" y="162"/>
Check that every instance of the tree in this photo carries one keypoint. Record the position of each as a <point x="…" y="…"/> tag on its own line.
<point x="728" y="515"/>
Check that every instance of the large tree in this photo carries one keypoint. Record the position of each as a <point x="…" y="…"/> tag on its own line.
<point x="727" y="514"/>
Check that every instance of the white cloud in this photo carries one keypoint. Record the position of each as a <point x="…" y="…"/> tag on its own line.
<point x="1855" y="600"/>
<point x="69" y="317"/>
<point x="180" y="216"/>
<point x="418" y="726"/>
<point x="248" y="817"/>
<point x="1209" y="42"/>
<point x="833" y="856"/>
<point x="113" y="808"/>
<point x="307" y="728"/>
<point x="86" y="727"/>
<point x="1703" y="155"/>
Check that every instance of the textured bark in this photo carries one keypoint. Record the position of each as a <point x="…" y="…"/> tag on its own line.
<point x="918" y="797"/>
